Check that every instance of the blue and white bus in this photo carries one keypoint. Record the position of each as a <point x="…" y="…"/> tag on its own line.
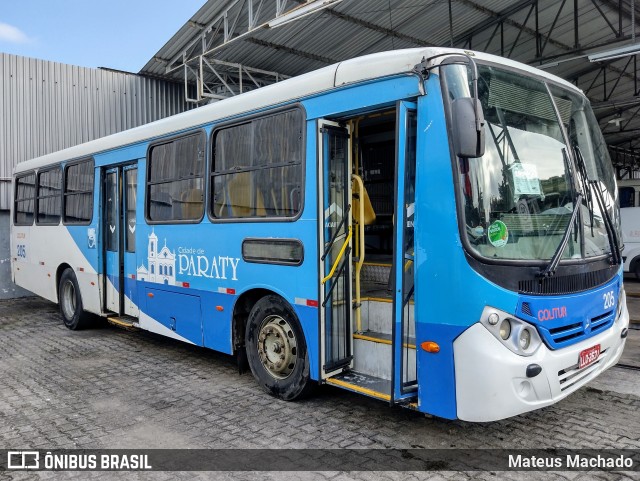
<point x="434" y="228"/>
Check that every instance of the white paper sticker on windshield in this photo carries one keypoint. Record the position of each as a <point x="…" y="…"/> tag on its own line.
<point x="525" y="179"/>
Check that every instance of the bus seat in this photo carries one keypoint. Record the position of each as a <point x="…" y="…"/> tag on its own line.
<point x="240" y="194"/>
<point x="295" y="199"/>
<point x="369" y="213"/>
<point x="240" y="197"/>
<point x="274" y="202"/>
<point x="260" y="209"/>
<point x="192" y="201"/>
<point x="220" y="203"/>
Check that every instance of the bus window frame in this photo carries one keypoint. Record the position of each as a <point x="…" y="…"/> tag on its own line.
<point x="64" y="190"/>
<point x="15" y="200"/>
<point x="303" y="164"/>
<point x="147" y="182"/>
<point x="36" y="209"/>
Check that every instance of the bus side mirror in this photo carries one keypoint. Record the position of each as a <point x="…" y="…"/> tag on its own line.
<point x="467" y="127"/>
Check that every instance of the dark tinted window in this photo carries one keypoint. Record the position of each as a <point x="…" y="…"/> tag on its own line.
<point x="78" y="193"/>
<point x="627" y="196"/>
<point x="176" y="179"/>
<point x="49" y="200"/>
<point x="257" y="168"/>
<point x="131" y="190"/>
<point x="25" y="192"/>
<point x="111" y="211"/>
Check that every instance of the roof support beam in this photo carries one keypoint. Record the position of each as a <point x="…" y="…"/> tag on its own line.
<point x="607" y="95"/>
<point x="526" y="20"/>
<point x="612" y="109"/>
<point x="237" y="20"/>
<point x="632" y="135"/>
<point x="553" y="26"/>
<point x="292" y="51"/>
<point x="496" y="17"/>
<point x="617" y="33"/>
<point x="380" y="29"/>
<point x="623" y="11"/>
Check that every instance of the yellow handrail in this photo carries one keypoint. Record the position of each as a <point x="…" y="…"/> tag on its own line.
<point x="340" y="254"/>
<point x="360" y="253"/>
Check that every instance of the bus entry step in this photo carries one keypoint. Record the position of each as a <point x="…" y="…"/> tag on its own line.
<point x="371" y="386"/>
<point x="125" y="322"/>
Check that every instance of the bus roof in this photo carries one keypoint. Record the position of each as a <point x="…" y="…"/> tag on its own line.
<point x="377" y="65"/>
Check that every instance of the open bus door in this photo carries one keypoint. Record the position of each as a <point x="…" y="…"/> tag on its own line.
<point x="376" y="354"/>
<point x="119" y="239"/>
<point x="334" y="190"/>
<point x="404" y="380"/>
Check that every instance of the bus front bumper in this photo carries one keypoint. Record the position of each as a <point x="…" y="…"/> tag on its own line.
<point x="491" y="380"/>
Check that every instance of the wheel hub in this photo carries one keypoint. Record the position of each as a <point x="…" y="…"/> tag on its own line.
<point x="277" y="347"/>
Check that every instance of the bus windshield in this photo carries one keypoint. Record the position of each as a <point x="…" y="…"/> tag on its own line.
<point x="543" y="146"/>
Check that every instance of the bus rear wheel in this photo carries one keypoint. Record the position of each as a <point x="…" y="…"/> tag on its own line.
<point x="276" y="349"/>
<point x="70" y="301"/>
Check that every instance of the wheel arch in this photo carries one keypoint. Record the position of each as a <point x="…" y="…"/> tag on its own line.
<point x="241" y="310"/>
<point x="61" y="268"/>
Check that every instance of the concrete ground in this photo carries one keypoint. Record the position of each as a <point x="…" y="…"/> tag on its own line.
<point x="108" y="388"/>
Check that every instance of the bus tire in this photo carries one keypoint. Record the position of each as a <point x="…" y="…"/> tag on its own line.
<point x="70" y="301"/>
<point x="276" y="349"/>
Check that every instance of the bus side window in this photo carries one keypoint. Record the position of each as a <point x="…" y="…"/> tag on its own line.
<point x="257" y="167"/>
<point x="627" y="197"/>
<point x="48" y="196"/>
<point x="175" y="179"/>
<point x="78" y="192"/>
<point x="25" y="192"/>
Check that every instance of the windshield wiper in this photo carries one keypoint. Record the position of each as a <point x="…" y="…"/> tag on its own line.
<point x="550" y="270"/>
<point x="594" y="188"/>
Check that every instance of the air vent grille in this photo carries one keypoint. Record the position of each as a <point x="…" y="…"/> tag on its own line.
<point x="564" y="284"/>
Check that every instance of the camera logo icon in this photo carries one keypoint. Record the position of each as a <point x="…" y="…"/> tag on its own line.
<point x="23" y="460"/>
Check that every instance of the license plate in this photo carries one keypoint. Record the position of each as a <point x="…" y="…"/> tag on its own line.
<point x="589" y="356"/>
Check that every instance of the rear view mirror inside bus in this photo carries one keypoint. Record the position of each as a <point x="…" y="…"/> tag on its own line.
<point x="467" y="129"/>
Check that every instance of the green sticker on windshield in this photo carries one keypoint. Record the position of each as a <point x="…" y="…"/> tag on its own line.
<point x="498" y="234"/>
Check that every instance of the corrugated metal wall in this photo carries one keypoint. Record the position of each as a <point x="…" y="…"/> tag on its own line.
<point x="47" y="106"/>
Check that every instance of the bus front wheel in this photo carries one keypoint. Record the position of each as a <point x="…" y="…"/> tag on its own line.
<point x="276" y="349"/>
<point x="70" y="301"/>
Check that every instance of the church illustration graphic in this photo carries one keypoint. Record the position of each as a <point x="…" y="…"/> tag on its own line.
<point x="161" y="265"/>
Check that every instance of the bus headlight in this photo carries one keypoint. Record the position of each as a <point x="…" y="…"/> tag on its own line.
<point x="524" y="339"/>
<point x="517" y="335"/>
<point x="505" y="329"/>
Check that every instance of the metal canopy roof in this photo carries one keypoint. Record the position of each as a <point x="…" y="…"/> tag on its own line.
<point x="233" y="46"/>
